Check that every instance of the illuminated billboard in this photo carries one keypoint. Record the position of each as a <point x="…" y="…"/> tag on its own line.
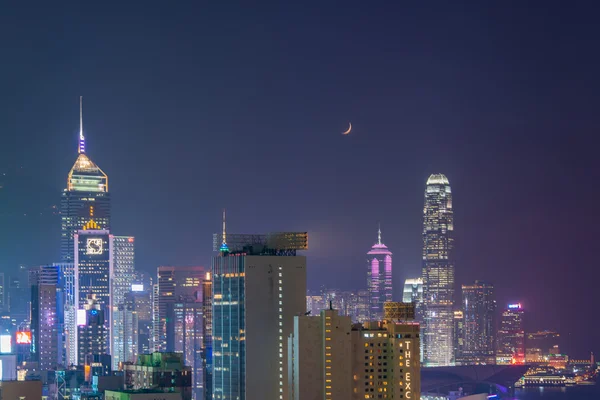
<point x="5" y="343"/>
<point x="515" y="306"/>
<point x="23" y="337"/>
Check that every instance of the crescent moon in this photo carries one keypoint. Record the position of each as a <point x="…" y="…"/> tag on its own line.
<point x="349" y="129"/>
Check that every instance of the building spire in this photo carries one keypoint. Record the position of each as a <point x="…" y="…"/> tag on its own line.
<point x="379" y="234"/>
<point x="81" y="137"/>
<point x="224" y="248"/>
<point x="224" y="229"/>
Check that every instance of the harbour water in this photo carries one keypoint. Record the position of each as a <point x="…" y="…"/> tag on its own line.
<point x="579" y="392"/>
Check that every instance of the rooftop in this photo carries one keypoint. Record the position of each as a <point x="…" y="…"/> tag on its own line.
<point x="438" y="179"/>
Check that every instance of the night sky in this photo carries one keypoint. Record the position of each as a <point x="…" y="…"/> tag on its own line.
<point x="190" y="107"/>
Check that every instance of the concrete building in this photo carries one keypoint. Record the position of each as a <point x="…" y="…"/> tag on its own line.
<point x="319" y="357"/>
<point x="386" y="361"/>
<point x="259" y="286"/>
<point x="44" y="321"/>
<point x="160" y="371"/>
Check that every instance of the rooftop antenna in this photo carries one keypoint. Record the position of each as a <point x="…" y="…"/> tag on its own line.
<point x="379" y="233"/>
<point x="81" y="137"/>
<point x="224" y="248"/>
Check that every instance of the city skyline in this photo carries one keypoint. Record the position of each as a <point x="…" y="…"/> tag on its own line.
<point x="505" y="123"/>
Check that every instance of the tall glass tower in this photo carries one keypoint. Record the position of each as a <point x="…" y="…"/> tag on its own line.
<point x="85" y="197"/>
<point x="479" y="308"/>
<point x="379" y="278"/>
<point x="438" y="273"/>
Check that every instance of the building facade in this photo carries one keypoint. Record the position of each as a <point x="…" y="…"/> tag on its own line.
<point x="180" y="319"/>
<point x="122" y="249"/>
<point x="511" y="336"/>
<point x="93" y="273"/>
<point x="92" y="332"/>
<point x="478" y="335"/>
<point x="163" y="371"/>
<point x="379" y="277"/>
<point x="207" y="362"/>
<point x="259" y="286"/>
<point x="44" y="320"/>
<point x="386" y="361"/>
<point x="438" y="273"/>
<point x="319" y="357"/>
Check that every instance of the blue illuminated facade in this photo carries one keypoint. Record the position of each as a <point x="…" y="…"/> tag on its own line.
<point x="229" y="327"/>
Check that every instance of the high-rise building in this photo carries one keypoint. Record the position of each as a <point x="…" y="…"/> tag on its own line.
<point x="91" y="331"/>
<point x="479" y="308"/>
<point x="18" y="290"/>
<point x="142" y="298"/>
<point x="93" y="272"/>
<point x="379" y="277"/>
<point x="413" y="293"/>
<point x="385" y="361"/>
<point x="175" y="284"/>
<point x="207" y="338"/>
<point x="122" y="277"/>
<point x="319" y="357"/>
<point x="511" y="336"/>
<point x="44" y="322"/>
<point x="259" y="286"/>
<point x="180" y="318"/>
<point x="85" y="197"/>
<point x="438" y="273"/>
<point x="126" y="326"/>
<point x="67" y="313"/>
<point x="459" y="334"/>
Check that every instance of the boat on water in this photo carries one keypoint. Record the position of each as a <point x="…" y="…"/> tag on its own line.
<point x="588" y="382"/>
<point x="546" y="379"/>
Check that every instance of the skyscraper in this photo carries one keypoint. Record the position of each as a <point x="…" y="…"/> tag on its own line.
<point x="479" y="308"/>
<point x="175" y="284"/>
<point x="92" y="332"/>
<point x="207" y="338"/>
<point x="142" y="298"/>
<point x="511" y="336"/>
<point x="259" y="285"/>
<point x="320" y="364"/>
<point x="438" y="273"/>
<point x="93" y="270"/>
<point x="122" y="250"/>
<point x="413" y="293"/>
<point x="379" y="277"/>
<point x="44" y="323"/>
<point x="85" y="197"/>
<point x="180" y="318"/>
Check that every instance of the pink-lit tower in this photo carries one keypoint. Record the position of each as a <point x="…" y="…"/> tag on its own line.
<point x="379" y="278"/>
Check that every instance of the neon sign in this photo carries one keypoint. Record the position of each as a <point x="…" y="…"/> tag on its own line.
<point x="515" y="306"/>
